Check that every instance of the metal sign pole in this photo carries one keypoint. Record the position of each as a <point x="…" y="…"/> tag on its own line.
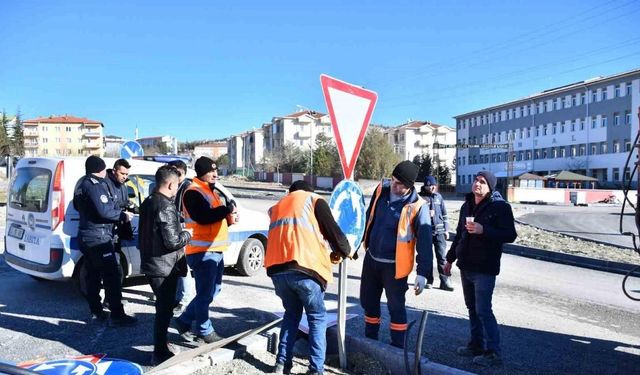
<point x="342" y="312"/>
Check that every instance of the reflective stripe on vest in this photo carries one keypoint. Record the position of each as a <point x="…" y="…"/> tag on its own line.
<point x="294" y="235"/>
<point x="206" y="237"/>
<point x="405" y="237"/>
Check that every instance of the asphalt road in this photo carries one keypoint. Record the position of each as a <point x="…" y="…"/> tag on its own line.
<point x="554" y="318"/>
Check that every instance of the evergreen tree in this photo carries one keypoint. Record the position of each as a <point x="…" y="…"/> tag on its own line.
<point x="377" y="158"/>
<point x="425" y="166"/>
<point x="5" y="142"/>
<point x="17" y="140"/>
<point x="326" y="161"/>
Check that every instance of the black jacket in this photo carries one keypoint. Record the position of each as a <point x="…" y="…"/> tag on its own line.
<point x="97" y="208"/>
<point x="161" y="239"/>
<point x="482" y="252"/>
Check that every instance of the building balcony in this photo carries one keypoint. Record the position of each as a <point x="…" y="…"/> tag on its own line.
<point x="92" y="135"/>
<point x="93" y="145"/>
<point x="91" y="125"/>
<point x="31" y="133"/>
<point x="31" y="145"/>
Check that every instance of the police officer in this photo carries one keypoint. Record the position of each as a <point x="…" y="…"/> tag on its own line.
<point x="439" y="230"/>
<point x="98" y="213"/>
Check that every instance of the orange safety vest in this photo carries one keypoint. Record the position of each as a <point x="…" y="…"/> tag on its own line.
<point x="206" y="237"/>
<point x="406" y="236"/>
<point x="294" y="235"/>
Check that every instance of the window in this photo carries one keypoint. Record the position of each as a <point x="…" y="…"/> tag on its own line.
<point x="528" y="133"/>
<point x="544" y="153"/>
<point x="582" y="150"/>
<point x="554" y="152"/>
<point x="30" y="189"/>
<point x="594" y="149"/>
<point x="553" y="129"/>
<point x="594" y="123"/>
<point x="627" y="174"/>
<point x="604" y="93"/>
<point x="510" y="113"/>
<point x="616" y="119"/>
<point x="616" y="147"/>
<point x="556" y="104"/>
<point x="517" y="112"/>
<point x="575" y="100"/>
<point x="603" y="121"/>
<point x="573" y="150"/>
<point x="583" y="98"/>
<point x="44" y="140"/>
<point x="561" y="152"/>
<point x="525" y="111"/>
<point x="68" y="128"/>
<point x="627" y="118"/>
<point x="594" y="96"/>
<point x="561" y="127"/>
<point x="68" y="140"/>
<point x="573" y="126"/>
<point x="541" y="107"/>
<point x="464" y="179"/>
<point x="538" y="130"/>
<point x="628" y="88"/>
<point x="544" y="130"/>
<point x="528" y="155"/>
<point x="581" y="124"/>
<point x="616" y="174"/>
<point x="627" y="145"/>
<point x="603" y="147"/>
<point x="616" y="91"/>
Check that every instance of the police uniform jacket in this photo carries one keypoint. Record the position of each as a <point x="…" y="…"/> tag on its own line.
<point x="439" y="220"/>
<point x="97" y="208"/>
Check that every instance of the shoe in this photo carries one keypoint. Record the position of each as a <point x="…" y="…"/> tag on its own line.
<point x="181" y="327"/>
<point x="101" y="316"/>
<point x="488" y="359"/>
<point x="469" y="351"/>
<point x="281" y="368"/>
<point x="208" y="339"/>
<point x="179" y="309"/>
<point x="313" y="372"/>
<point x="429" y="286"/>
<point x="122" y="321"/>
<point x="445" y="284"/>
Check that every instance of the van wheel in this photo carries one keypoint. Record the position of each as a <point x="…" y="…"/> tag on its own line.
<point x="251" y="257"/>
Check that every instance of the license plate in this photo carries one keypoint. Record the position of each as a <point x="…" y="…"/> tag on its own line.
<point x="32" y="239"/>
<point x="16" y="232"/>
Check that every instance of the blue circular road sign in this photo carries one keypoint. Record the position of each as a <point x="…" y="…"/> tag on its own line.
<point x="348" y="208"/>
<point x="130" y="149"/>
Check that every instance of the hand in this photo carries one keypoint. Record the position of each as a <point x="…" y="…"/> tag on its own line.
<point x="447" y="268"/>
<point x="446" y="235"/>
<point x="419" y="284"/>
<point x="474" y="228"/>
<point x="129" y="216"/>
<point x="189" y="230"/>
<point x="335" y="257"/>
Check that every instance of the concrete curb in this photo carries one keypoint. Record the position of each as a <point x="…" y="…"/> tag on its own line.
<point x="574" y="236"/>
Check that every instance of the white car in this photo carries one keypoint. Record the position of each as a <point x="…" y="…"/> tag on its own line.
<point x="42" y="224"/>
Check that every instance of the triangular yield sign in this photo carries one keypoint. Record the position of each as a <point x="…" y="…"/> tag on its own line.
<point x="350" y="108"/>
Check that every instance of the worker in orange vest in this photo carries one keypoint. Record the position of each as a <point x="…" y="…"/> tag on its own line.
<point x="207" y="215"/>
<point x="298" y="261"/>
<point x="398" y="224"/>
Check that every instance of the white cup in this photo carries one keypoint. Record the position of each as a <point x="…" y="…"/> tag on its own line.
<point x="470" y="219"/>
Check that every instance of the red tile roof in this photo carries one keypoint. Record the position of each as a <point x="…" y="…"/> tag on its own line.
<point x="66" y="119"/>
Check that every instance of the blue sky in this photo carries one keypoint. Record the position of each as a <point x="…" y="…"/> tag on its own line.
<point x="209" y="69"/>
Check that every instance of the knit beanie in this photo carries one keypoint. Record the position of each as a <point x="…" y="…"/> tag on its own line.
<point x="490" y="177"/>
<point x="94" y="164"/>
<point x="430" y="180"/>
<point x="406" y="172"/>
<point x="300" y="185"/>
<point x="204" y="165"/>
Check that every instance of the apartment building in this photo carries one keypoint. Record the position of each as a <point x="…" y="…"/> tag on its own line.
<point x="586" y="127"/>
<point x="416" y="138"/>
<point x="212" y="150"/>
<point x="248" y="150"/>
<point x="112" y="145"/>
<point x="63" y="136"/>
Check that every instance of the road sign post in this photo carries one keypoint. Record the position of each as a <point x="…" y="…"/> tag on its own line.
<point x="350" y="108"/>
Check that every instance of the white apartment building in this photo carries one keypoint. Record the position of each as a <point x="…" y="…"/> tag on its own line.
<point x="247" y="150"/>
<point x="416" y="138"/>
<point x="586" y="127"/>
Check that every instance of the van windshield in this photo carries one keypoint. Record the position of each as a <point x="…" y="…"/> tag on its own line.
<point x="30" y="189"/>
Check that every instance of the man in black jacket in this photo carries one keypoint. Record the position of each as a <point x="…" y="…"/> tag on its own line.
<point x="485" y="224"/>
<point x="161" y="243"/>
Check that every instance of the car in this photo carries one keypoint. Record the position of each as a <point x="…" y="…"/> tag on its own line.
<point x="42" y="224"/>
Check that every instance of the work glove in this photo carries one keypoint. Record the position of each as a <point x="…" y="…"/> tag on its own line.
<point x="419" y="284"/>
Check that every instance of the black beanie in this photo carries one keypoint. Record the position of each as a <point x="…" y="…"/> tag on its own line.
<point x="204" y="165"/>
<point x="490" y="177"/>
<point x="300" y="185"/>
<point x="94" y="164"/>
<point x="406" y="172"/>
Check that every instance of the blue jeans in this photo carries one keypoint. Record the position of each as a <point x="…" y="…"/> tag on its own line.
<point x="478" y="291"/>
<point x="297" y="291"/>
<point x="186" y="289"/>
<point x="207" y="270"/>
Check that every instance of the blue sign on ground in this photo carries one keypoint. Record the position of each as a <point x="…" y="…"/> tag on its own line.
<point x="348" y="208"/>
<point x="104" y="366"/>
<point x="130" y="149"/>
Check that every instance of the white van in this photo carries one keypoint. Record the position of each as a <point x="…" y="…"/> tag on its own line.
<point x="42" y="225"/>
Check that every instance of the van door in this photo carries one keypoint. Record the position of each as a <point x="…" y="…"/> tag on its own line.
<point x="138" y="187"/>
<point x="28" y="228"/>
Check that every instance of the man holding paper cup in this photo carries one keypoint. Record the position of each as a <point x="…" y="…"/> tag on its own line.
<point x="485" y="224"/>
